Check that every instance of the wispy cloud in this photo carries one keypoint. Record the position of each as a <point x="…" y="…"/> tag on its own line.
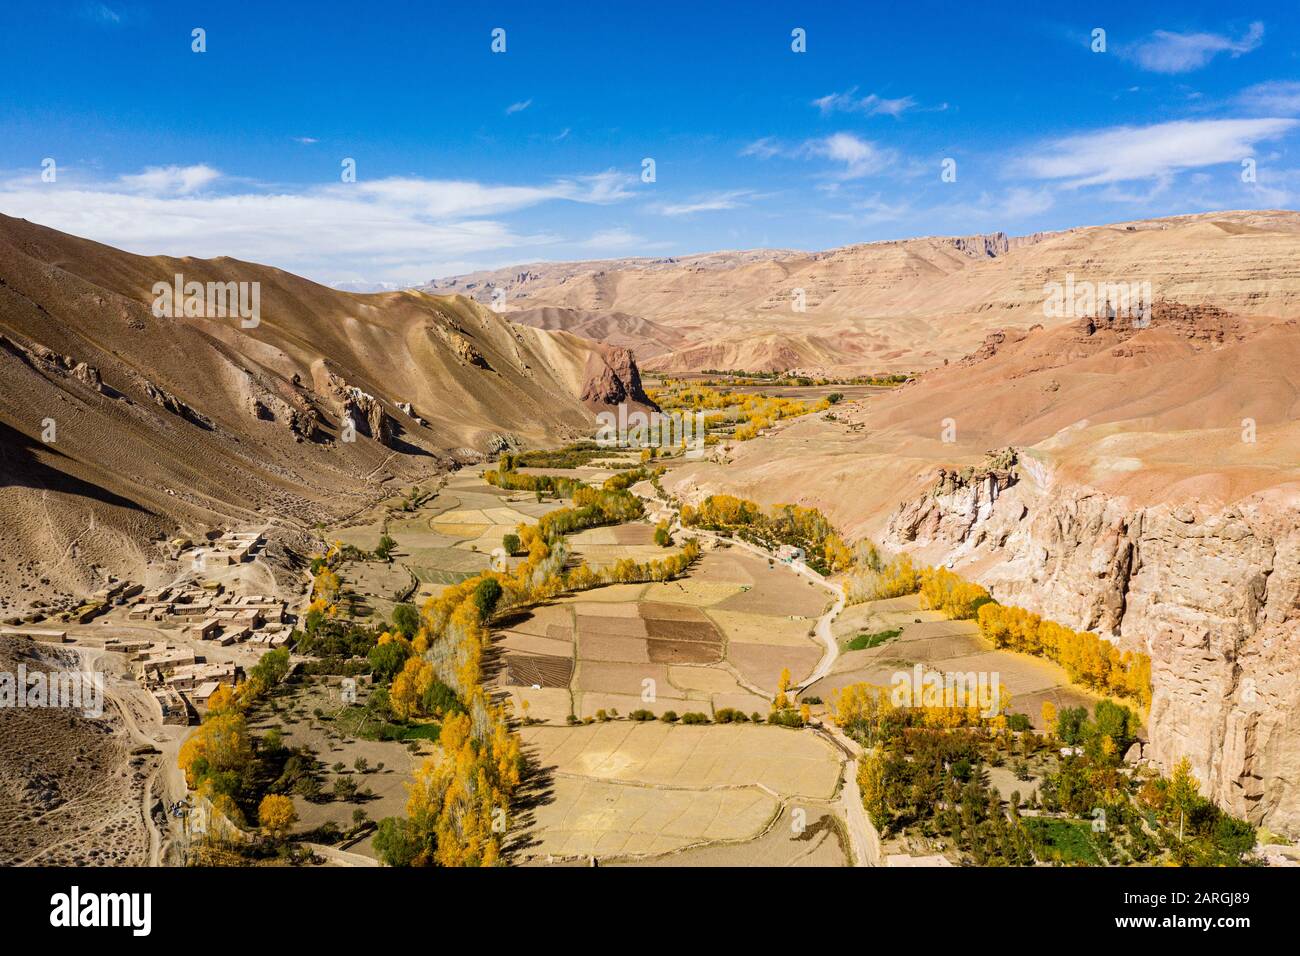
<point x="1275" y="98"/>
<point x="856" y="157"/>
<point x="397" y="229"/>
<point x="870" y="105"/>
<point x="306" y="140"/>
<point x="617" y="239"/>
<point x="101" y="13"/>
<point x="1166" y="52"/>
<point x="712" y="202"/>
<point x="1122" y="153"/>
<point x="518" y="107"/>
<point x="764" y="148"/>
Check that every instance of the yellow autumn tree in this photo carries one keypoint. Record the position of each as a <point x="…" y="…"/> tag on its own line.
<point x="276" y="815"/>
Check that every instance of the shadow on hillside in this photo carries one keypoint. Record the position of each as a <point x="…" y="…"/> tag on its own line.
<point x="21" y="468"/>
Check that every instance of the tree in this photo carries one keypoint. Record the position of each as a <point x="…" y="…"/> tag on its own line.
<point x="486" y="596"/>
<point x="871" y="781"/>
<point x="385" y="547"/>
<point x="1184" y="791"/>
<point x="388" y="658"/>
<point x="1071" y="725"/>
<point x="1049" y="715"/>
<point x="510" y="544"/>
<point x="276" y="815"/>
<point x="272" y="668"/>
<point x="406" y="619"/>
<point x="396" y="842"/>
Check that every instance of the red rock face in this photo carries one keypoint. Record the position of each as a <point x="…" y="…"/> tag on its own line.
<point x="612" y="379"/>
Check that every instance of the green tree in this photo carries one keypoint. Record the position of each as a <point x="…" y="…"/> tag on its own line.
<point x="386" y="660"/>
<point x="272" y="668"/>
<point x="486" y="596"/>
<point x="406" y="618"/>
<point x="1071" y="725"/>
<point x="396" y="842"/>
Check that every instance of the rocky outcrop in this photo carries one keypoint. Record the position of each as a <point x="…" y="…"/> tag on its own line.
<point x="166" y="400"/>
<point x="612" y="378"/>
<point x="1213" y="596"/>
<point x="368" y="414"/>
<point x="39" y="357"/>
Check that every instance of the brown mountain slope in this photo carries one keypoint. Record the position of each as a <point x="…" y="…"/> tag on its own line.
<point x="647" y="338"/>
<point x="910" y="304"/>
<point x="119" y="425"/>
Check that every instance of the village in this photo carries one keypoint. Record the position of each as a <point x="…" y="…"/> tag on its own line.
<point x="183" y="640"/>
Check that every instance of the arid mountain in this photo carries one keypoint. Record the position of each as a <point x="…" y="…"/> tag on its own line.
<point x="519" y="282"/>
<point x="1153" y="499"/>
<point x="910" y="304"/>
<point x="119" y="427"/>
<point x="647" y="338"/>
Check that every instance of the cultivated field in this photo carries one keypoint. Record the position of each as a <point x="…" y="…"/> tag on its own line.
<point x="632" y="790"/>
<point x="717" y="638"/>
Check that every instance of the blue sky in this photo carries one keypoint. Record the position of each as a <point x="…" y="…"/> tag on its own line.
<point x="469" y="159"/>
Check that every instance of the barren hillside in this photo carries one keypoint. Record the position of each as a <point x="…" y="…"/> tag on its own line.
<point x="120" y="427"/>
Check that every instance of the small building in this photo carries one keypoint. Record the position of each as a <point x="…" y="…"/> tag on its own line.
<point x="45" y="635"/>
<point x="206" y="630"/>
<point x="200" y="695"/>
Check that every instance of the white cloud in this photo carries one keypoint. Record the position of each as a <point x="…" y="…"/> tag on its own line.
<point x="1166" y="52"/>
<point x="871" y="104"/>
<point x="176" y="180"/>
<point x="712" y="202"/>
<point x="764" y="148"/>
<point x="1275" y="98"/>
<point x="518" y="107"/>
<point x="859" y="157"/>
<point x="1122" y="153"/>
<point x="398" y="229"/>
<point x="306" y="140"/>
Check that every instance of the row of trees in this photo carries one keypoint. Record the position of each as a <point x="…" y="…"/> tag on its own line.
<point x="794" y="525"/>
<point x="1089" y="659"/>
<point x="950" y="594"/>
<point x="871" y="713"/>
<point x="873" y="578"/>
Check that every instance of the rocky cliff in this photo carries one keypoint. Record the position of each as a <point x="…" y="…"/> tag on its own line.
<point x="1212" y="595"/>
